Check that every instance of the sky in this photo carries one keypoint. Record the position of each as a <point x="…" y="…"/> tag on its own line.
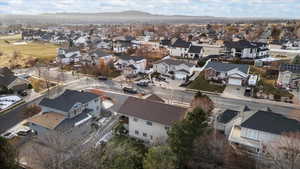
<point x="223" y="8"/>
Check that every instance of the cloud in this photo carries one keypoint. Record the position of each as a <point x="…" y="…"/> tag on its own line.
<point x="229" y="8"/>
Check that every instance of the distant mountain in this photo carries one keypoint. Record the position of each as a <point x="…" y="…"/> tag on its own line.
<point x="125" y="17"/>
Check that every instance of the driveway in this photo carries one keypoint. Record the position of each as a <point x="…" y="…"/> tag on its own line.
<point x="234" y="91"/>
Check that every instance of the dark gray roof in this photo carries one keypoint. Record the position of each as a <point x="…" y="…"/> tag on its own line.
<point x="243" y="44"/>
<point x="271" y="122"/>
<point x="165" y="42"/>
<point x="99" y="53"/>
<point x="6" y="77"/>
<point x="179" y="43"/>
<point x="152" y="111"/>
<point x="126" y="57"/>
<point x="174" y="62"/>
<point x="68" y="99"/>
<point x="69" y="123"/>
<point x="227" y="116"/>
<point x="224" y="67"/>
<point x="195" y="49"/>
<point x="294" y="68"/>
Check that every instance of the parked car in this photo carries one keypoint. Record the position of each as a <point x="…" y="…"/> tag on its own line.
<point x="9" y="135"/>
<point x="143" y="84"/>
<point x="102" y="78"/>
<point x="25" y="133"/>
<point x="23" y="93"/>
<point x="130" y="90"/>
<point x="160" y="79"/>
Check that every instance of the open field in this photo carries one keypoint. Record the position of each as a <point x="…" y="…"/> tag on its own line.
<point x="14" y="52"/>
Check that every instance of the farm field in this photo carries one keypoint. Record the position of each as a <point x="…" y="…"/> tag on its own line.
<point x="13" y="51"/>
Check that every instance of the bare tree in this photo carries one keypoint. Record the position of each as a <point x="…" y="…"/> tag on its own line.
<point x="285" y="152"/>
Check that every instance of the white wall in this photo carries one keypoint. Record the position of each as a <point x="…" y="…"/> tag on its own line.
<point x="157" y="131"/>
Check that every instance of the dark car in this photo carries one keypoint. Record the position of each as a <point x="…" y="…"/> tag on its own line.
<point x="161" y="79"/>
<point x="24" y="133"/>
<point x="130" y="90"/>
<point x="23" y="93"/>
<point x="142" y="84"/>
<point x="102" y="78"/>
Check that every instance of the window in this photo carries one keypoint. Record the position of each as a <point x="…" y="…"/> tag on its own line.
<point x="166" y="127"/>
<point x="135" y="119"/>
<point x="136" y="132"/>
<point x="149" y="123"/>
<point x="145" y="134"/>
<point x="151" y="137"/>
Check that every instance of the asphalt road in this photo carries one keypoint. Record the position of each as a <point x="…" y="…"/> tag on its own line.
<point x="13" y="117"/>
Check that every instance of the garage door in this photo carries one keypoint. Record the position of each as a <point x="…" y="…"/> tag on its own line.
<point x="233" y="81"/>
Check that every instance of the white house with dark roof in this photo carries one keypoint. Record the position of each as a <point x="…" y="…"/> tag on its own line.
<point x="130" y="65"/>
<point x="232" y="74"/>
<point x="178" y="68"/>
<point x="179" y="47"/>
<point x="226" y="120"/>
<point x="10" y="81"/>
<point x="246" y="50"/>
<point x="149" y="120"/>
<point x="67" y="56"/>
<point x="66" y="113"/>
<point x="256" y="131"/>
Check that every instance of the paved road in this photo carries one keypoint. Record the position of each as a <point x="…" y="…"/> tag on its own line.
<point x="13" y="117"/>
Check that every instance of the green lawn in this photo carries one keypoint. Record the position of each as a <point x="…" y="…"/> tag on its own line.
<point x="201" y="84"/>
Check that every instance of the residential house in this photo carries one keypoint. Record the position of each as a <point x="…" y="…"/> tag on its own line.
<point x="149" y="120"/>
<point x="177" y="68"/>
<point x="122" y="44"/>
<point x="11" y="82"/>
<point x="225" y="120"/>
<point x="195" y="52"/>
<point x="232" y="74"/>
<point x="98" y="55"/>
<point x="67" y="56"/>
<point x="289" y="76"/>
<point x="246" y="50"/>
<point x="130" y="65"/>
<point x="70" y="113"/>
<point x="257" y="131"/>
<point x="179" y="48"/>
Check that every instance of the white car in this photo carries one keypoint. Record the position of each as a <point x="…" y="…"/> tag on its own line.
<point x="105" y="138"/>
<point x="9" y="135"/>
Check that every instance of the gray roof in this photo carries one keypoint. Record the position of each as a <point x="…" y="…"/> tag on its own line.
<point x="225" y="67"/>
<point x="127" y="57"/>
<point x="268" y="121"/>
<point x="68" y="99"/>
<point x="154" y="97"/>
<point x="152" y="111"/>
<point x="294" y="68"/>
<point x="69" y="123"/>
<point x="179" y="43"/>
<point x="195" y="49"/>
<point x="174" y="62"/>
<point x="227" y="116"/>
<point x="6" y="77"/>
<point x="99" y="53"/>
<point x="244" y="44"/>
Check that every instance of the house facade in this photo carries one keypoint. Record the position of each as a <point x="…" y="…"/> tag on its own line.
<point x="171" y="67"/>
<point x="246" y="50"/>
<point x="182" y="49"/>
<point x="261" y="128"/>
<point x="149" y="120"/>
<point x="10" y="81"/>
<point x="289" y="76"/>
<point x="232" y="74"/>
<point x="66" y="113"/>
<point x="67" y="56"/>
<point x="130" y="65"/>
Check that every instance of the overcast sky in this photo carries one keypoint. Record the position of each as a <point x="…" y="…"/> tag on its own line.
<point x="227" y="8"/>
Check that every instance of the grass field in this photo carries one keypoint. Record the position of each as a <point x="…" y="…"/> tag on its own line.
<point x="45" y="52"/>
